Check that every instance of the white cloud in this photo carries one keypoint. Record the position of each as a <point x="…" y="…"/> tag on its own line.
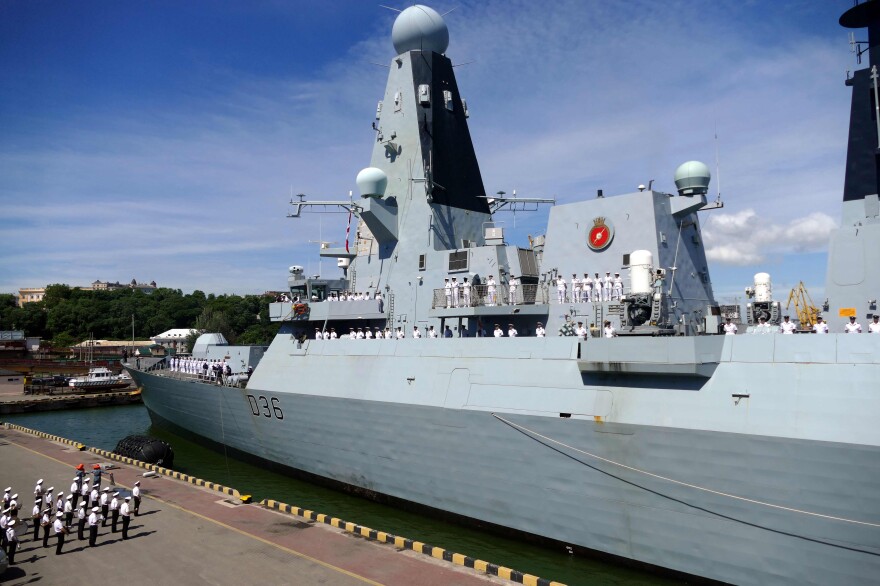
<point x="745" y="238"/>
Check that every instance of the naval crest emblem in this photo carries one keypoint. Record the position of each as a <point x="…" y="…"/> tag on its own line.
<point x="600" y="234"/>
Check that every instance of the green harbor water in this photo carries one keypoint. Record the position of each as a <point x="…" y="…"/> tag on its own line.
<point x="103" y="427"/>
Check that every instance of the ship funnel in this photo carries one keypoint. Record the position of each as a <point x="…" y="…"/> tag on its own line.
<point x="692" y="178"/>
<point x="372" y="182"/>
<point x="419" y="28"/>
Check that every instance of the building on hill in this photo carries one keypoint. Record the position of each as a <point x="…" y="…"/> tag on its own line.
<point x="33" y="294"/>
<point x="173" y="338"/>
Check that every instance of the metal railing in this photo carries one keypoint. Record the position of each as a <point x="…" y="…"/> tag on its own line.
<point x="481" y="297"/>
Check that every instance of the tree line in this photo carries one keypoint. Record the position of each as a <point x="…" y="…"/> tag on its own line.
<point x="67" y="315"/>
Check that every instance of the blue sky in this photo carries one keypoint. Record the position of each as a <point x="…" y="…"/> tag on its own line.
<point x="161" y="140"/>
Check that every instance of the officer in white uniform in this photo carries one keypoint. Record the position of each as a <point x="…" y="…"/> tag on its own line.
<point x="539" y="331"/>
<point x="853" y="327"/>
<point x="125" y="511"/>
<point x="586" y="288"/>
<point x="327" y="335"/>
<point x="378" y="334"/>
<point x="617" y="287"/>
<point x="609" y="330"/>
<point x="318" y="334"/>
<point x="511" y="331"/>
<point x="581" y="331"/>
<point x="11" y="541"/>
<point x="447" y="290"/>
<point x="787" y="327"/>
<point x="114" y="511"/>
<point x="511" y="285"/>
<point x="368" y="335"/>
<point x="607" y="284"/>
<point x="490" y="290"/>
<point x="466" y="293"/>
<point x="81" y="521"/>
<point x="400" y="334"/>
<point x="874" y="326"/>
<point x="597" y="288"/>
<point x="416" y="333"/>
<point x="560" y="289"/>
<point x="821" y="327"/>
<point x="498" y="333"/>
<point x="431" y="332"/>
<point x="454" y="292"/>
<point x="729" y="328"/>
<point x="575" y="289"/>
<point x="360" y="334"/>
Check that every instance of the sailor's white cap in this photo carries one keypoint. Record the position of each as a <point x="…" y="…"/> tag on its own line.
<point x="128" y="498"/>
<point x="11" y="523"/>
<point x="70" y="496"/>
<point x="95" y="509"/>
<point x="106" y="489"/>
<point x="58" y="514"/>
<point x="115" y="494"/>
<point x="15" y="496"/>
<point x="40" y="481"/>
<point x="50" y="489"/>
<point x="7" y="489"/>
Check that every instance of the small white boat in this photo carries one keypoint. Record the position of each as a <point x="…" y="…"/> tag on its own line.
<point x="100" y="378"/>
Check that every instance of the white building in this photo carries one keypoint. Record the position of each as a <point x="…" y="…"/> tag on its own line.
<point x="174" y="338"/>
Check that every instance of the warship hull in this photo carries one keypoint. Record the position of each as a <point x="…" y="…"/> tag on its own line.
<point x="743" y="477"/>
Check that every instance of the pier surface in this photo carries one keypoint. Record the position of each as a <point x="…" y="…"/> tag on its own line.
<point x="193" y="535"/>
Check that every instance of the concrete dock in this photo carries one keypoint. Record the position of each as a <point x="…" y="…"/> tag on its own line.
<point x="191" y="534"/>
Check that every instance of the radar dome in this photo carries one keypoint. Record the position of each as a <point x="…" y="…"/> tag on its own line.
<point x="372" y="182"/>
<point x="692" y="178"/>
<point x="419" y="28"/>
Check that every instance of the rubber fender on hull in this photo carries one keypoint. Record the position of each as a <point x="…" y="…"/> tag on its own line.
<point x="146" y="449"/>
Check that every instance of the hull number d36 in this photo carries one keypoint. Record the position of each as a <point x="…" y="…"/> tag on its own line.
<point x="260" y="405"/>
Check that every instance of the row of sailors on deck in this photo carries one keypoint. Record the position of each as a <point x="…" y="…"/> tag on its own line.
<point x="387" y="334"/>
<point x="587" y="290"/>
<point x="210" y="369"/>
<point x="821" y="327"/>
<point x="353" y="296"/>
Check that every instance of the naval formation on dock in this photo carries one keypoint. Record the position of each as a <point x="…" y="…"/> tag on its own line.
<point x="631" y="425"/>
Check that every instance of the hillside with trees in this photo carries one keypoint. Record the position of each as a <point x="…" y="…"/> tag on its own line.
<point x="68" y="315"/>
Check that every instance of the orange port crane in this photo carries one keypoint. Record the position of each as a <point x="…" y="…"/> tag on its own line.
<point x="807" y="313"/>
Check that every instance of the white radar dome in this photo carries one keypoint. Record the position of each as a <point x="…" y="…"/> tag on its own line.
<point x="419" y="28"/>
<point x="372" y="182"/>
<point x="692" y="178"/>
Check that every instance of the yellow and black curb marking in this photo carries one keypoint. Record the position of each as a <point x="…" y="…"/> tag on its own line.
<point x="404" y="543"/>
<point x="167" y="472"/>
<point x="47" y="436"/>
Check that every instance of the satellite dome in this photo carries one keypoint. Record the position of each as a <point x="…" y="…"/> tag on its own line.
<point x="692" y="178"/>
<point x="372" y="182"/>
<point x="419" y="28"/>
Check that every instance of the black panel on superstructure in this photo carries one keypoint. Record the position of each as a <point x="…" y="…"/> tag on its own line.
<point x="444" y="133"/>
<point x="862" y="154"/>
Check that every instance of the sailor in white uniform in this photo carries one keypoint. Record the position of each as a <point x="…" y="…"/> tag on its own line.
<point x="617" y="287"/>
<point x="609" y="330"/>
<point x="490" y="291"/>
<point x="874" y="326"/>
<point x="360" y="334"/>
<point x="327" y="335"/>
<point x="511" y="331"/>
<point x="729" y="328"/>
<point x="466" y="293"/>
<point x="597" y="288"/>
<point x="333" y="335"/>
<point x="431" y="333"/>
<point x="352" y="335"/>
<point x="853" y="327"/>
<point x="581" y="331"/>
<point x="575" y="289"/>
<point x="512" y="285"/>
<point x="318" y="334"/>
<point x="447" y="290"/>
<point x="787" y="327"/>
<point x="586" y="288"/>
<point x="539" y="331"/>
<point x="560" y="289"/>
<point x="400" y="335"/>
<point x="416" y="333"/>
<point x="455" y="292"/>
<point x="498" y="333"/>
<point x="607" y="284"/>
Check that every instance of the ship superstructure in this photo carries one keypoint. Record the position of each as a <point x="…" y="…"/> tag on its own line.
<point x="741" y="458"/>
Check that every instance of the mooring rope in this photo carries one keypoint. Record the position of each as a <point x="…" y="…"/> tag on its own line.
<point x="528" y="431"/>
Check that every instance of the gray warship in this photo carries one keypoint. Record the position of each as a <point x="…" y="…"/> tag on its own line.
<point x="751" y="458"/>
